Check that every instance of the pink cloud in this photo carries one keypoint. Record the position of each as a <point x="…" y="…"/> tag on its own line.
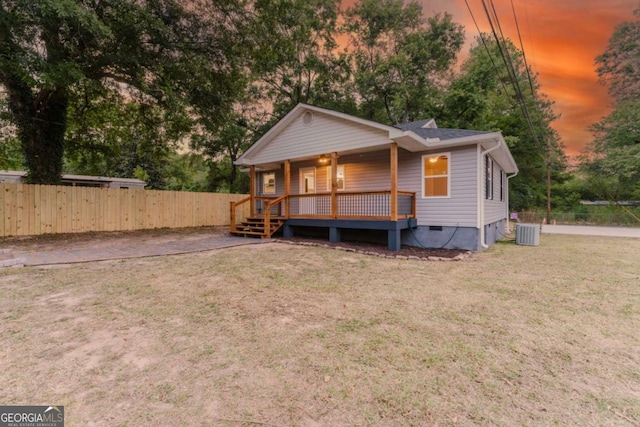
<point x="562" y="39"/>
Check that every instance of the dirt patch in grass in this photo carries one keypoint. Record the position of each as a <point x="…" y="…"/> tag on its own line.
<point x="71" y="241"/>
<point x="381" y="249"/>
<point x="286" y="335"/>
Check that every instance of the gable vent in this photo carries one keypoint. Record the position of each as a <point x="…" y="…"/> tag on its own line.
<point x="307" y="118"/>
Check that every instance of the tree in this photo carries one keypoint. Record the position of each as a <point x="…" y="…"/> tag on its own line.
<point x="619" y="65"/>
<point x="296" y="56"/>
<point x="401" y="61"/>
<point x="187" y="172"/>
<point x="221" y="146"/>
<point x="483" y="97"/>
<point x="158" y="50"/>
<point x="612" y="161"/>
<point x="293" y="59"/>
<point x="110" y="136"/>
<point x="10" y="153"/>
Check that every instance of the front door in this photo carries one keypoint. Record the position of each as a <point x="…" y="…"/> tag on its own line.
<point x="307" y="186"/>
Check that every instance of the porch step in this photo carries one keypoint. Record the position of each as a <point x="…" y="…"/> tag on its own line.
<point x="255" y="227"/>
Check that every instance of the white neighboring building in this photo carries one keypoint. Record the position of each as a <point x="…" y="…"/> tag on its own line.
<point x="18" y="177"/>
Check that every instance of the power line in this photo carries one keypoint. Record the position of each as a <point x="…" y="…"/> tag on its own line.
<point x="494" y="23"/>
<point x="484" y="43"/>
<point x="524" y="55"/>
<point x="519" y="95"/>
<point x="533" y="52"/>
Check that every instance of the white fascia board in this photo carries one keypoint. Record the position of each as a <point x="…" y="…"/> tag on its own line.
<point x="409" y="140"/>
<point x="456" y="142"/>
<point x="431" y="124"/>
<point x="243" y="160"/>
<point x="503" y="154"/>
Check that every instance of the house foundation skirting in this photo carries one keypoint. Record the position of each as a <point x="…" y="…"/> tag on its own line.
<point x="494" y="232"/>
<point x="336" y="226"/>
<point x="448" y="237"/>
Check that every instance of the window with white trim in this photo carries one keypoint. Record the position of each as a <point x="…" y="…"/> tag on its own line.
<point x="436" y="176"/>
<point x="488" y="180"/>
<point x="339" y="178"/>
<point x="269" y="183"/>
<point x="502" y="180"/>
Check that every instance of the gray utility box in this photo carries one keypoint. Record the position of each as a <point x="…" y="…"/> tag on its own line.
<point x="528" y="234"/>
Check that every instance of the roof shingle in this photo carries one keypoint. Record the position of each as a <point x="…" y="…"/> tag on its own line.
<point x="440" y="133"/>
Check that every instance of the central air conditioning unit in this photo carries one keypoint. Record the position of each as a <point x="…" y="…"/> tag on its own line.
<point x="528" y="234"/>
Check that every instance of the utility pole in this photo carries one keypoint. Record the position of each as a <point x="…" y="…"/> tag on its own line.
<point x="548" y="180"/>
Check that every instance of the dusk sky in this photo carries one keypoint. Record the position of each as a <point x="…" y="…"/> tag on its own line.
<point x="561" y="40"/>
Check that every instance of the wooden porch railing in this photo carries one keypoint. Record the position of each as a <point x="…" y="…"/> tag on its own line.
<point x="234" y="206"/>
<point x="368" y="205"/>
<point x="269" y="205"/>
<point x="375" y="205"/>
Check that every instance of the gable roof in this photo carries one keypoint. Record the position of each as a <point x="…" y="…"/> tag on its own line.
<point x="344" y="133"/>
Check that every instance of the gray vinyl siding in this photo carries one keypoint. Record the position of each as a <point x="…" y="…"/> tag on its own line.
<point x="324" y="135"/>
<point x="363" y="172"/>
<point x="494" y="210"/>
<point x="370" y="171"/>
<point x="460" y="208"/>
<point x="367" y="171"/>
<point x="279" y="183"/>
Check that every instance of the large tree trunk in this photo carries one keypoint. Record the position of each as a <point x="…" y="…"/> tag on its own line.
<point x="41" y="122"/>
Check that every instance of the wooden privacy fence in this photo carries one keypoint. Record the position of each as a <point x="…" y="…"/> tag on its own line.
<point x="28" y="210"/>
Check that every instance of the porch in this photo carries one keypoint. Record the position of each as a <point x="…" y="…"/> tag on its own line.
<point x="389" y="209"/>
<point x="366" y="210"/>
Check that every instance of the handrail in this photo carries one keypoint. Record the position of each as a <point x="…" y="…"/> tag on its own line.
<point x="274" y="201"/>
<point x="267" y="213"/>
<point x="233" y="207"/>
<point x="412" y="208"/>
<point x="269" y="202"/>
<point x="346" y="193"/>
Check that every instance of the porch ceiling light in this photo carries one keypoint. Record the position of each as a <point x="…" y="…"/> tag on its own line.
<point x="324" y="160"/>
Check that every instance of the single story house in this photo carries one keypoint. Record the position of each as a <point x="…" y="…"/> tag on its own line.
<point x="422" y="185"/>
<point x="19" y="177"/>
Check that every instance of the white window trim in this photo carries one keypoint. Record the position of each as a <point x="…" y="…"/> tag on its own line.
<point x="264" y="182"/>
<point x="423" y="176"/>
<point x="489" y="178"/>
<point x="344" y="177"/>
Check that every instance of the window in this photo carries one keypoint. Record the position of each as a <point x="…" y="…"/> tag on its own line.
<point x="435" y="175"/>
<point x="340" y="177"/>
<point x="488" y="180"/>
<point x="269" y="183"/>
<point x="502" y="185"/>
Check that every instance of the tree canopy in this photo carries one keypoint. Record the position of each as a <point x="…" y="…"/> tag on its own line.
<point x="400" y="60"/>
<point x="611" y="162"/>
<point x="173" y="92"/>
<point x="153" y="49"/>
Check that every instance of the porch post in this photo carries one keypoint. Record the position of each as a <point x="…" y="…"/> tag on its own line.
<point x="394" y="181"/>
<point x="334" y="185"/>
<point x="287" y="186"/>
<point x="252" y="190"/>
